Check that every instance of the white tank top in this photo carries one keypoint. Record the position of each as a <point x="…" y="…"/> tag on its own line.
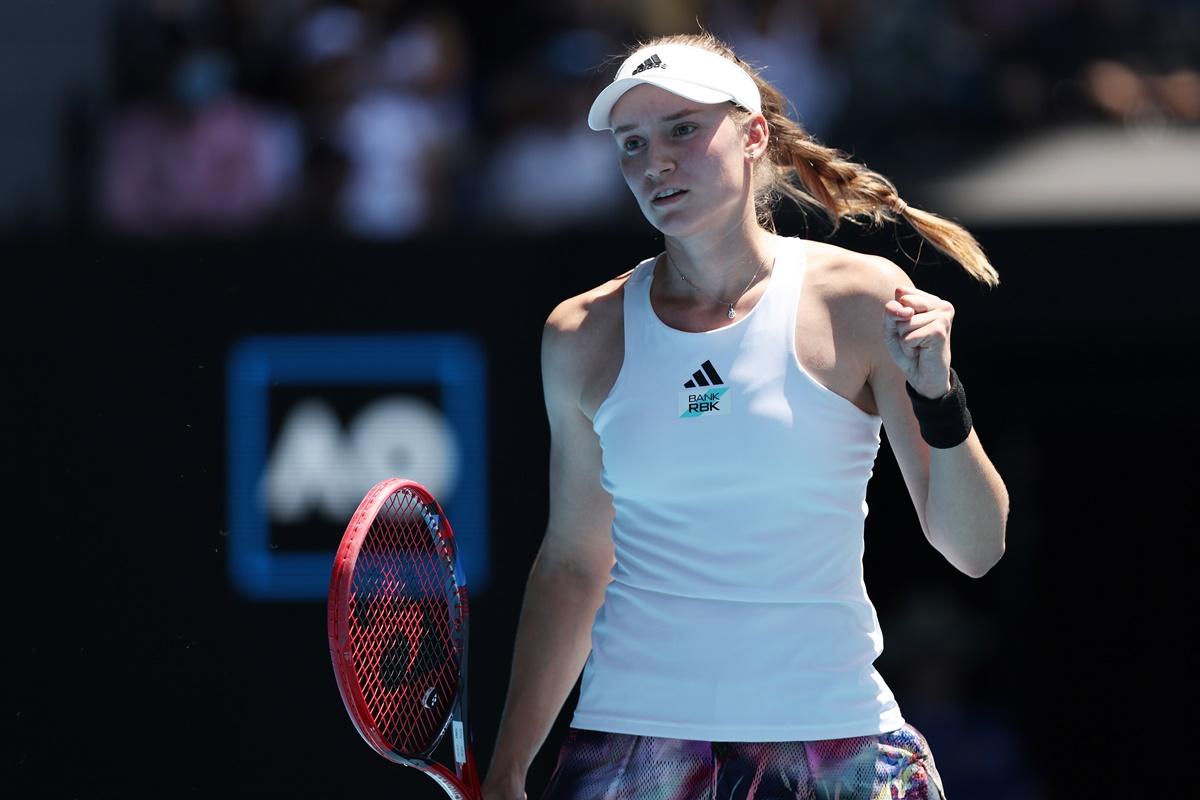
<point x="737" y="609"/>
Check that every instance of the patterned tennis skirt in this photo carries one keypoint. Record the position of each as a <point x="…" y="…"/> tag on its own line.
<point x="593" y="765"/>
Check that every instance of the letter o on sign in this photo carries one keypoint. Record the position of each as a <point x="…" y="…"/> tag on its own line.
<point x="407" y="437"/>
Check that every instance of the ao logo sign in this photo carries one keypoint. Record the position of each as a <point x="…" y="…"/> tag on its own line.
<point x="319" y="466"/>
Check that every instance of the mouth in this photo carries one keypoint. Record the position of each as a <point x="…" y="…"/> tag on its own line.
<point x="666" y="196"/>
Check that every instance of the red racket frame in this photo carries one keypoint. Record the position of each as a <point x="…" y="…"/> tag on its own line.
<point x="462" y="784"/>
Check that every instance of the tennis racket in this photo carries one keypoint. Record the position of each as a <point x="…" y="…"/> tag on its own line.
<point x="398" y="633"/>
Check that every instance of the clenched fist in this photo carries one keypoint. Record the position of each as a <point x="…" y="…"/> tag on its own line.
<point x="916" y="329"/>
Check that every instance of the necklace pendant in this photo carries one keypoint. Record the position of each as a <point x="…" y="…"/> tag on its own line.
<point x="731" y="313"/>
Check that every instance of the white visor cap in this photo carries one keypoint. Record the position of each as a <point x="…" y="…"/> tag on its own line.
<point x="691" y="72"/>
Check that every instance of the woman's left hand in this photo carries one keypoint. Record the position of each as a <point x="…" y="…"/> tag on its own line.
<point x="916" y="329"/>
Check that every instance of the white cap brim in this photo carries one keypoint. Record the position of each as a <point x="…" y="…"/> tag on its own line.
<point x="598" y="117"/>
<point x="688" y="71"/>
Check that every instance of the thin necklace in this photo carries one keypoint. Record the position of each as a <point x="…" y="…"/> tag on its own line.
<point x="731" y="313"/>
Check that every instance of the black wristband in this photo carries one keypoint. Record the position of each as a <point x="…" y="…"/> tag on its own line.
<point x="945" y="421"/>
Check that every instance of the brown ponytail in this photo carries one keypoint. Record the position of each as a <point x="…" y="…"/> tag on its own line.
<point x="819" y="177"/>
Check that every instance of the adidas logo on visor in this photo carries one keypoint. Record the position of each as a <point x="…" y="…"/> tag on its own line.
<point x="704" y="395"/>
<point x="649" y="63"/>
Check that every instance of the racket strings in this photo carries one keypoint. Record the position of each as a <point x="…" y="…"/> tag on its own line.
<point x="406" y="623"/>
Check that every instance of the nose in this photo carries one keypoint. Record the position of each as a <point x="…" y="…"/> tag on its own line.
<point x="658" y="161"/>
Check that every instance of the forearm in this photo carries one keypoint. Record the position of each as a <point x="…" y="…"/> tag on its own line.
<point x="967" y="507"/>
<point x="552" y="643"/>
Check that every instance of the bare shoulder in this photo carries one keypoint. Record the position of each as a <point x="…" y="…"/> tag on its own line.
<point x="849" y="277"/>
<point x="846" y="291"/>
<point x="582" y="314"/>
<point x="582" y="330"/>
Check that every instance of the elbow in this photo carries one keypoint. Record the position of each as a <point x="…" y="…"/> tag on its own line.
<point x="983" y="562"/>
<point x="987" y="554"/>
<point x="992" y="551"/>
<point x="974" y="546"/>
<point x="579" y="575"/>
<point x="973" y="556"/>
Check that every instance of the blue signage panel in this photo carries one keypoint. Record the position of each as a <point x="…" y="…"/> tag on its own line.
<point x="315" y="421"/>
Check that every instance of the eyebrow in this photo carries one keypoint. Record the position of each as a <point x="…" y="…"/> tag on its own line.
<point x="687" y="112"/>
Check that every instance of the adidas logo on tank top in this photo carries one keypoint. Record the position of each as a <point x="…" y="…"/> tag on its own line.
<point x="704" y="394"/>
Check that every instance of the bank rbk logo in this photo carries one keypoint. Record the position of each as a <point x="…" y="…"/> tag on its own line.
<point x="704" y="394"/>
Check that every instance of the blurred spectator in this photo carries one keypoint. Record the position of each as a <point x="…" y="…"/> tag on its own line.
<point x="548" y="170"/>
<point x="1146" y="64"/>
<point x="1057" y="61"/>
<point x="206" y="160"/>
<point x="1125" y="93"/>
<point x="368" y="116"/>
<point x="388" y="97"/>
<point x="186" y="151"/>
<point x="793" y="44"/>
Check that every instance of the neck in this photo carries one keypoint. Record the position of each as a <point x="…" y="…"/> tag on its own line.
<point x="718" y="265"/>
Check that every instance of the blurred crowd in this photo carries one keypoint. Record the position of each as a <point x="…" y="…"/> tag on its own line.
<point x="387" y="119"/>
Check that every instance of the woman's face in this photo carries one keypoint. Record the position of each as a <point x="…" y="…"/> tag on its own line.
<point x="667" y="142"/>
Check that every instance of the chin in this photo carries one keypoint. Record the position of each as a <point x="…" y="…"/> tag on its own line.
<point x="674" y="225"/>
<point x="686" y="222"/>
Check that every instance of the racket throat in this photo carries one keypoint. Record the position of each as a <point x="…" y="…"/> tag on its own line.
<point x="460" y="744"/>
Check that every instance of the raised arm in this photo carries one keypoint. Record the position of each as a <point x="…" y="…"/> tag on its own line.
<point x="958" y="494"/>
<point x="573" y="565"/>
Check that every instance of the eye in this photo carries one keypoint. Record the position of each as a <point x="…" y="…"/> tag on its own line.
<point x="684" y="129"/>
<point x="631" y="144"/>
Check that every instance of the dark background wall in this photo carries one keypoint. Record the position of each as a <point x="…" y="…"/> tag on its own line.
<point x="179" y="175"/>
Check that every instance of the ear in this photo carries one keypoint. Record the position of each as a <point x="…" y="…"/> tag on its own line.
<point x="757" y="137"/>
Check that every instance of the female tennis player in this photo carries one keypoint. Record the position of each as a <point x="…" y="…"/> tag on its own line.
<point x="715" y="414"/>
